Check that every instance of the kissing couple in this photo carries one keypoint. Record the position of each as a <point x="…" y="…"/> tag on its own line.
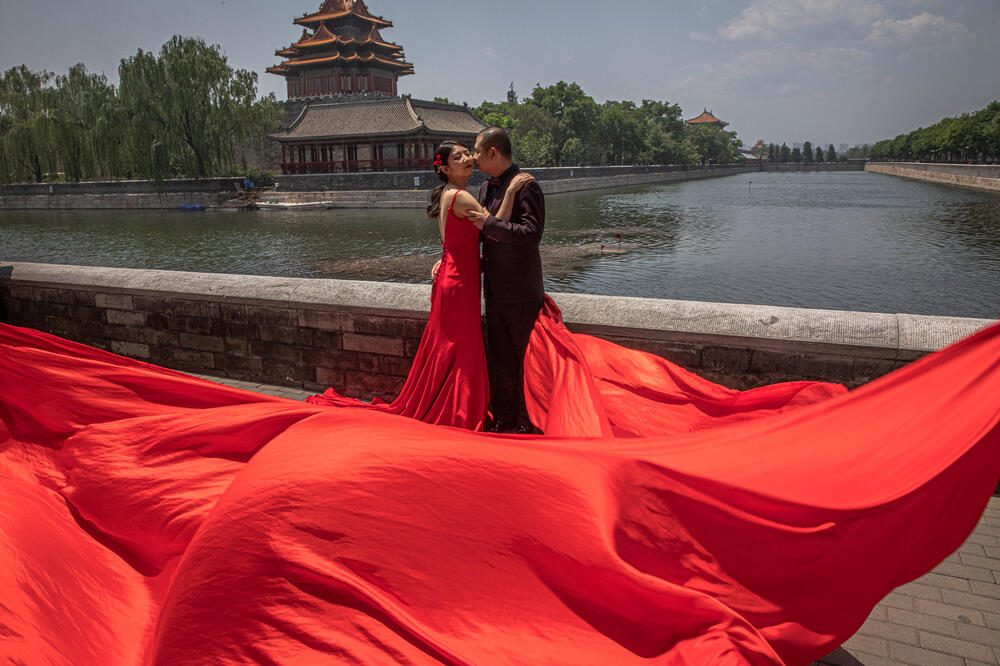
<point x="448" y="383"/>
<point x="532" y="375"/>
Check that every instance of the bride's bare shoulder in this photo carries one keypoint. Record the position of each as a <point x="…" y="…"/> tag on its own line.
<point x="464" y="202"/>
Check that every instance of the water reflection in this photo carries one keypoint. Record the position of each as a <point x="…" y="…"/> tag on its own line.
<point x="825" y="240"/>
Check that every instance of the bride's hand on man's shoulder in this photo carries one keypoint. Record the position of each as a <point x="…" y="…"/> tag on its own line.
<point x="519" y="181"/>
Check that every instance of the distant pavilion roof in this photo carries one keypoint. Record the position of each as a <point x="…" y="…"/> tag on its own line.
<point x="335" y="9"/>
<point x="707" y="117"/>
<point x="380" y="117"/>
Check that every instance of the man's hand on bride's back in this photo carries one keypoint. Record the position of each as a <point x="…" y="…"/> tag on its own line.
<point x="434" y="271"/>
<point x="478" y="217"/>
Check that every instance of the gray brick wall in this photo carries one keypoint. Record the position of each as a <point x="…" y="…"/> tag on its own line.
<point x="361" y="337"/>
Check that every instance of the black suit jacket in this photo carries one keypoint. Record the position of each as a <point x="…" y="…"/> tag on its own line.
<point x="512" y="266"/>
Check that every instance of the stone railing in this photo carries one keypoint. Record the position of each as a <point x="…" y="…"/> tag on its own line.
<point x="138" y="194"/>
<point x="360" y="337"/>
<point x="980" y="176"/>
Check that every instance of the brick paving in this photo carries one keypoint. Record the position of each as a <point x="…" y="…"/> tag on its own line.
<point x="949" y="617"/>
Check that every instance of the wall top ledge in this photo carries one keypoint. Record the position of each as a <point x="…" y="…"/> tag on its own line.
<point x="895" y="336"/>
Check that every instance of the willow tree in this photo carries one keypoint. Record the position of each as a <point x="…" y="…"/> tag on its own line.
<point x="82" y="129"/>
<point x="188" y="111"/>
<point x="26" y="151"/>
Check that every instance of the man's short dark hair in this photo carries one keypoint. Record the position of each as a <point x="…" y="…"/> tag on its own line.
<point x="495" y="137"/>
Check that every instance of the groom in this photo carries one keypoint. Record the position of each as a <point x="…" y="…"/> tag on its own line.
<point x="512" y="282"/>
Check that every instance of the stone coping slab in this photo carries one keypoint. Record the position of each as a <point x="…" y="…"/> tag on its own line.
<point x="873" y="334"/>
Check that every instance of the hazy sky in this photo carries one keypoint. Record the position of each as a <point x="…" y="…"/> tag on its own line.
<point x="828" y="71"/>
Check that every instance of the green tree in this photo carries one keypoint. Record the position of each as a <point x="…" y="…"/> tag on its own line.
<point x="831" y="154"/>
<point x="532" y="131"/>
<point x="819" y="154"/>
<point x="786" y="154"/>
<point x="713" y="146"/>
<point x="574" y="111"/>
<point x="192" y="102"/>
<point x="26" y="144"/>
<point x="562" y="125"/>
<point x="807" y="151"/>
<point x="497" y="114"/>
<point x="618" y="135"/>
<point x="796" y="154"/>
<point x="83" y="121"/>
<point x="663" y="136"/>
<point x="511" y="94"/>
<point x="770" y="152"/>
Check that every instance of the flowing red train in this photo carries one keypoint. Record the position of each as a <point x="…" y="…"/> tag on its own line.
<point x="149" y="517"/>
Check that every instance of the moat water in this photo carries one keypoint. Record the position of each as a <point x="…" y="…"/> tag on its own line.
<point x="836" y="240"/>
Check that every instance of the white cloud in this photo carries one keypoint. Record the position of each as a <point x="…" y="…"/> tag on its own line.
<point x="786" y="69"/>
<point x="696" y="36"/>
<point x="922" y="26"/>
<point x="769" y="18"/>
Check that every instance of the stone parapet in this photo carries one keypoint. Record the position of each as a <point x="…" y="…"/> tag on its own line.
<point x="980" y="176"/>
<point x="851" y="165"/>
<point x="197" y="185"/>
<point x="111" y="201"/>
<point x="361" y="336"/>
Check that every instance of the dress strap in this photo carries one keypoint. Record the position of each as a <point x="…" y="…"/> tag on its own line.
<point x="453" y="201"/>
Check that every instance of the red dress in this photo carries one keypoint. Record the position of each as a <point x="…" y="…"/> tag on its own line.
<point x="447" y="384"/>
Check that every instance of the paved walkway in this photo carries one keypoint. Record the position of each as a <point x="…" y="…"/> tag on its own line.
<point x="950" y="617"/>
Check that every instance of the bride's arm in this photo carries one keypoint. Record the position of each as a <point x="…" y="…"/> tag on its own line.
<point x="507" y="205"/>
<point x="478" y="215"/>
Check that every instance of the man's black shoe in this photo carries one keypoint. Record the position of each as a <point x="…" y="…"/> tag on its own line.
<point x="523" y="429"/>
<point x="497" y="426"/>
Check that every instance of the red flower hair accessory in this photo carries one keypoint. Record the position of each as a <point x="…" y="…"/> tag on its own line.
<point x="437" y="160"/>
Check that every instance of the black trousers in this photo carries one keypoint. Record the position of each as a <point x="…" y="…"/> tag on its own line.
<point x="508" y="328"/>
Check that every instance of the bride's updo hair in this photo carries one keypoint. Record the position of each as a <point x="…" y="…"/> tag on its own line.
<point x="441" y="156"/>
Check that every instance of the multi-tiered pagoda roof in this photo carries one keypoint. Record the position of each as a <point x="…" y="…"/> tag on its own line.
<point x="341" y="50"/>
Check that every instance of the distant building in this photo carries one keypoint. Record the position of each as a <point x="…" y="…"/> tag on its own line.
<point x="346" y="114"/>
<point x="755" y="155"/>
<point x="358" y="134"/>
<point x="706" y="118"/>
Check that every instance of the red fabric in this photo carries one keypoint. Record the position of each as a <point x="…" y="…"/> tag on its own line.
<point x="447" y="383"/>
<point x="582" y="386"/>
<point x="150" y="517"/>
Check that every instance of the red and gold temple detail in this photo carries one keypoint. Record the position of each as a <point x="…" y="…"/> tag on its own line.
<point x="341" y="51"/>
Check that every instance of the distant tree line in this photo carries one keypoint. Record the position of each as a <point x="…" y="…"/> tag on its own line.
<point x="806" y="153"/>
<point x="183" y="112"/>
<point x="970" y="137"/>
<point x="561" y="125"/>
